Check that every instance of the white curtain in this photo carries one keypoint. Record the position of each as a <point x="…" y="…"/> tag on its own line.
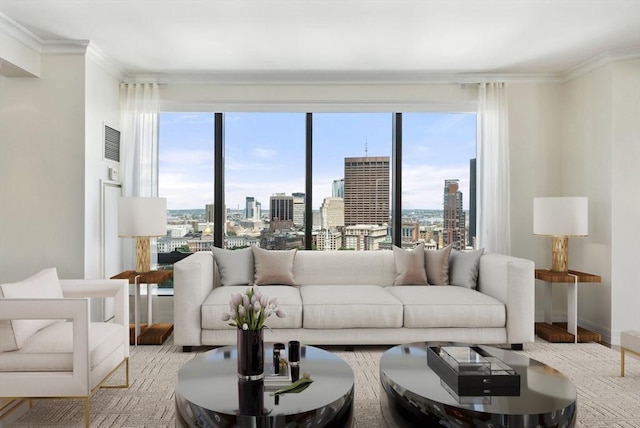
<point x="139" y="106"/>
<point x="493" y="200"/>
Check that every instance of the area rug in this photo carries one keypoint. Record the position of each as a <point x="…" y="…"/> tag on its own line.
<point x="604" y="398"/>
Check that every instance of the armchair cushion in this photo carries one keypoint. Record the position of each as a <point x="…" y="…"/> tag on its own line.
<point x="51" y="349"/>
<point x="44" y="284"/>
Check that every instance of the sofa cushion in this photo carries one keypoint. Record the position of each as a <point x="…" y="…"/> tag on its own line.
<point x="448" y="306"/>
<point x="350" y="306"/>
<point x="235" y="266"/>
<point x="44" y="284"/>
<point x="273" y="266"/>
<point x="437" y="265"/>
<point x="464" y="267"/>
<point x="51" y="349"/>
<point x="410" y="266"/>
<point x="217" y="303"/>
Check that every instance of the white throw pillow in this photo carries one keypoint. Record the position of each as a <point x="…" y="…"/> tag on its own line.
<point x="464" y="267"/>
<point x="44" y="284"/>
<point x="273" y="266"/>
<point x="235" y="266"/>
<point x="410" y="266"/>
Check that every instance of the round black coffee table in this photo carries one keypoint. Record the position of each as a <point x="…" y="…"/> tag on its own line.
<point x="208" y="393"/>
<point x="412" y="394"/>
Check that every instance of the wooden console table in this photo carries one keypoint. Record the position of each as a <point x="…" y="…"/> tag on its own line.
<point x="568" y="332"/>
<point x="149" y="333"/>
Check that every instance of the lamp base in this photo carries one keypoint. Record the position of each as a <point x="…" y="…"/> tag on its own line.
<point x="560" y="254"/>
<point x="143" y="257"/>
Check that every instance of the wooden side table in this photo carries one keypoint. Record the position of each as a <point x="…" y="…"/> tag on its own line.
<point x="568" y="332"/>
<point x="149" y="334"/>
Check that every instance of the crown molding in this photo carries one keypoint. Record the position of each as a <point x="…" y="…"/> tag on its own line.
<point x="65" y="47"/>
<point x="105" y="62"/>
<point x="10" y="28"/>
<point x="599" y="61"/>
<point x="358" y="77"/>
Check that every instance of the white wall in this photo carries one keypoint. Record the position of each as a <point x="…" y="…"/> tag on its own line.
<point x="625" y="195"/>
<point x="42" y="156"/>
<point x="102" y="107"/>
<point x="600" y="158"/>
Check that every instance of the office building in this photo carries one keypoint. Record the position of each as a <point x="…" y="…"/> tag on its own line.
<point x="366" y="190"/>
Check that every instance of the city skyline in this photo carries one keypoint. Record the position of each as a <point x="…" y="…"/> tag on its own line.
<point x="260" y="147"/>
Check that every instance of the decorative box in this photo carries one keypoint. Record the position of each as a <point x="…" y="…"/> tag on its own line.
<point x="471" y="371"/>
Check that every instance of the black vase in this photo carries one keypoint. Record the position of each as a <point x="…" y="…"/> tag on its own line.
<point x="250" y="355"/>
<point x="251" y="397"/>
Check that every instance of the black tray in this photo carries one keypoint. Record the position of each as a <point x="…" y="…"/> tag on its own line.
<point x="473" y="384"/>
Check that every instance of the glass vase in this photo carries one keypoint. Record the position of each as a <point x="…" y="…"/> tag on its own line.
<point x="250" y="354"/>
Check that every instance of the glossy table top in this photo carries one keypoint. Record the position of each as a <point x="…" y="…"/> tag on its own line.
<point x="210" y="381"/>
<point x="542" y="388"/>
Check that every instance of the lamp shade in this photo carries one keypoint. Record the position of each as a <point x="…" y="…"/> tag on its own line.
<point x="142" y="217"/>
<point x="561" y="216"/>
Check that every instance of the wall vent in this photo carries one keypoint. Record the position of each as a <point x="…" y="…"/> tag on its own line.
<point x="111" y="144"/>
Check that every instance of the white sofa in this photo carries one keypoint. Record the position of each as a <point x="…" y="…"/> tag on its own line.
<point x="349" y="298"/>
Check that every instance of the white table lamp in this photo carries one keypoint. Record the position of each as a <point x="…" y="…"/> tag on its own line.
<point x="142" y="218"/>
<point x="560" y="217"/>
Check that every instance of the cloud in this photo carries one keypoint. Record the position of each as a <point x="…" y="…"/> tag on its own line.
<point x="263" y="153"/>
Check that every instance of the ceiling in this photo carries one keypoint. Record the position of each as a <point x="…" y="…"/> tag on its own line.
<point x="166" y="37"/>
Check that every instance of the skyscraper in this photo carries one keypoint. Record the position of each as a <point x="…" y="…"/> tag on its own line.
<point x="332" y="213"/>
<point x="281" y="210"/>
<point x="454" y="228"/>
<point x="252" y="210"/>
<point x="299" y="201"/>
<point x="366" y="190"/>
<point x="337" y="188"/>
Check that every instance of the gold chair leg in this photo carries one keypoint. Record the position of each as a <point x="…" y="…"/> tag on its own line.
<point x="86" y="412"/>
<point x="622" y="362"/>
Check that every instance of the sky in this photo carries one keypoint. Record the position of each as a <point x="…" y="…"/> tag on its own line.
<point x="264" y="154"/>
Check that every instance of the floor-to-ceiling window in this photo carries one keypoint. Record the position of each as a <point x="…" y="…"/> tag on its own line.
<point x="352" y="188"/>
<point x="264" y="179"/>
<point x="437" y="154"/>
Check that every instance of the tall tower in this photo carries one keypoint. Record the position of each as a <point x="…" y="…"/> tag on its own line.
<point x="299" y="201"/>
<point x="250" y="208"/>
<point x="332" y="213"/>
<point x="337" y="188"/>
<point x="366" y="190"/>
<point x="454" y="229"/>
<point x="208" y="213"/>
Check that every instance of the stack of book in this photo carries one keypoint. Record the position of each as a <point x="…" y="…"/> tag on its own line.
<point x="471" y="371"/>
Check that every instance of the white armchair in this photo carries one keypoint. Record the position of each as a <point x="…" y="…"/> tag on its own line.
<point x="49" y="348"/>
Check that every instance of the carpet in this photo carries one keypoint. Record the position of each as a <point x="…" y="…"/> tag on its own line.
<point x="604" y="398"/>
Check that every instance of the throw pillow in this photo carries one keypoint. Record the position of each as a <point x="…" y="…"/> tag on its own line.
<point x="273" y="266"/>
<point x="235" y="266"/>
<point x="410" y="266"/>
<point x="437" y="264"/>
<point x="464" y="267"/>
<point x="44" y="284"/>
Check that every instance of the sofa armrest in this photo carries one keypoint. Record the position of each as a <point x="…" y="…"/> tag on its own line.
<point x="511" y="280"/>
<point x="193" y="281"/>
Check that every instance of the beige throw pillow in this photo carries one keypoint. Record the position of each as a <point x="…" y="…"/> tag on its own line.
<point x="44" y="284"/>
<point x="273" y="266"/>
<point x="437" y="265"/>
<point x="410" y="266"/>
